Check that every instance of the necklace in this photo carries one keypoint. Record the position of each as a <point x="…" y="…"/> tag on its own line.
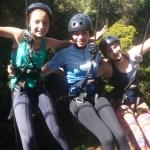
<point x="38" y="45"/>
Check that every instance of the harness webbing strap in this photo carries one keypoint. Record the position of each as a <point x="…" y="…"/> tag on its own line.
<point x="82" y="83"/>
<point x="79" y="93"/>
<point x="99" y="5"/>
<point x="18" y="85"/>
<point x="138" y="59"/>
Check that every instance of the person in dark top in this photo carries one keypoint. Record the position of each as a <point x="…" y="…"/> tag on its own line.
<point x="131" y="110"/>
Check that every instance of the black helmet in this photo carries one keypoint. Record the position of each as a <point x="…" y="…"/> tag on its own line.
<point x="106" y="41"/>
<point x="80" y="22"/>
<point x="42" y="6"/>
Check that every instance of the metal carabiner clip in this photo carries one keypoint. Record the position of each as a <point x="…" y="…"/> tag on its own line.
<point x="79" y="100"/>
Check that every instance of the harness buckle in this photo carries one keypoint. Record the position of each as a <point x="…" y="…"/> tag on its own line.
<point x="79" y="100"/>
<point x="133" y="86"/>
<point x="18" y="86"/>
<point x="90" y="81"/>
<point x="31" y="71"/>
<point x="122" y="100"/>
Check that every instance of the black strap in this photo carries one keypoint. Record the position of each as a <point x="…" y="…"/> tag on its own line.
<point x="132" y="79"/>
<point x="93" y="52"/>
<point x="30" y="46"/>
<point x="138" y="59"/>
<point x="81" y="83"/>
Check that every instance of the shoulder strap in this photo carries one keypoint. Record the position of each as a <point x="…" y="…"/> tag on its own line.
<point x="138" y="59"/>
<point x="93" y="52"/>
<point x="30" y="46"/>
<point x="81" y="83"/>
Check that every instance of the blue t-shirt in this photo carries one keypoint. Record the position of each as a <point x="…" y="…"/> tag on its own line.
<point x="19" y="58"/>
<point x="75" y="62"/>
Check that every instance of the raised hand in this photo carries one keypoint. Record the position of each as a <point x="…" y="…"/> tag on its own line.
<point x="99" y="34"/>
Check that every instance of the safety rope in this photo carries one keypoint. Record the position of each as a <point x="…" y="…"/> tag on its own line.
<point x="145" y="35"/>
<point x="138" y="58"/>
<point x="13" y="116"/>
<point x="26" y="4"/>
<point x="97" y="17"/>
<point x="92" y="46"/>
<point x="15" y="126"/>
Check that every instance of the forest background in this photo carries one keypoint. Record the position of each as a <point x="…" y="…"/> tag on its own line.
<point x="126" y="19"/>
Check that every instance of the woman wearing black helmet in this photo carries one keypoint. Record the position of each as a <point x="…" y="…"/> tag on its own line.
<point x="27" y="81"/>
<point x="95" y="114"/>
<point x="133" y="114"/>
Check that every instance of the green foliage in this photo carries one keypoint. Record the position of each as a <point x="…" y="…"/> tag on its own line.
<point x="130" y="12"/>
<point x="82" y="147"/>
<point x="4" y="60"/>
<point x="144" y="72"/>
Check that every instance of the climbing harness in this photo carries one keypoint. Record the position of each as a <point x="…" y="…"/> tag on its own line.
<point x="79" y="94"/>
<point x="33" y="73"/>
